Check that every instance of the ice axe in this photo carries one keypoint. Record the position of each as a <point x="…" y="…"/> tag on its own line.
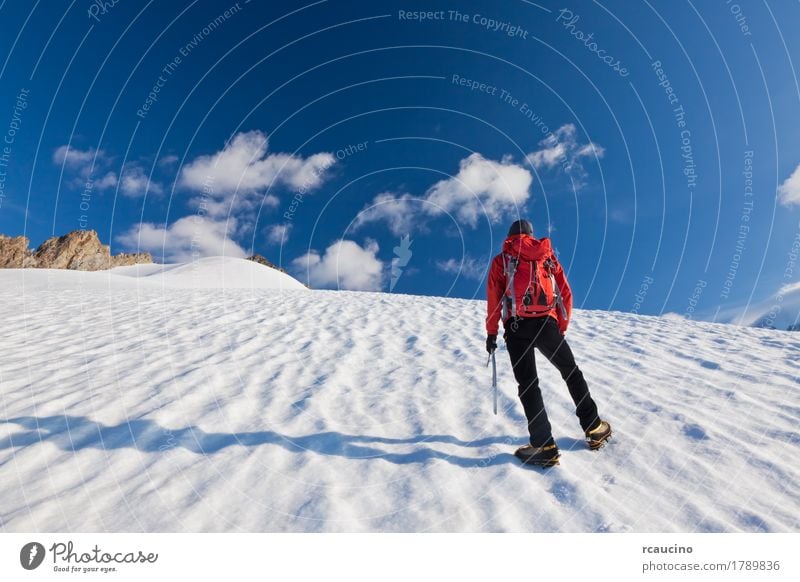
<point x="494" y="377"/>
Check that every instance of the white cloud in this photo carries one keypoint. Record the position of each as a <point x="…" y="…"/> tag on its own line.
<point x="168" y="160"/>
<point x="243" y="165"/>
<point x="76" y="158"/>
<point x="108" y="180"/>
<point x="780" y="310"/>
<point x="789" y="288"/>
<point x="135" y="182"/>
<point x="187" y="238"/>
<point x="789" y="191"/>
<point x="84" y="165"/>
<point x="400" y="212"/>
<point x="278" y="234"/>
<point x="561" y="149"/>
<point x="235" y="180"/>
<point x="467" y="267"/>
<point x="344" y="265"/>
<point x="673" y="316"/>
<point x="481" y="188"/>
<point x="548" y="156"/>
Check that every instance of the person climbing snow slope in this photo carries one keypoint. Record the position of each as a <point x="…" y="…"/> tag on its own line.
<point x="528" y="290"/>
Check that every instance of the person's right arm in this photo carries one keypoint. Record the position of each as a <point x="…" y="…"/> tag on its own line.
<point x="495" y="289"/>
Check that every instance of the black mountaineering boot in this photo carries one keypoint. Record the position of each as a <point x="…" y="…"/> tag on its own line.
<point x="598" y="436"/>
<point x="546" y="456"/>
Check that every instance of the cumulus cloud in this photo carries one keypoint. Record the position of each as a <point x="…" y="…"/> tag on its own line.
<point x="244" y="165"/>
<point x="467" y="267"/>
<point x="789" y="191"/>
<point x="236" y="180"/>
<point x="84" y="166"/>
<point x="398" y="211"/>
<point x="344" y="265"/>
<point x="562" y="149"/>
<point x="187" y="238"/>
<point x="76" y="158"/>
<point x="278" y="234"/>
<point x="135" y="182"/>
<point x="93" y="165"/>
<point x="106" y="181"/>
<point x="481" y="188"/>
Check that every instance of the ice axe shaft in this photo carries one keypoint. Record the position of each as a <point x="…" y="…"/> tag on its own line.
<point x="494" y="378"/>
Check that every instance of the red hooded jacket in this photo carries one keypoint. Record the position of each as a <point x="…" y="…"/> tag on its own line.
<point x="526" y="248"/>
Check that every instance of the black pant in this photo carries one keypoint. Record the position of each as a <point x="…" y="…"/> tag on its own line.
<point x="543" y="333"/>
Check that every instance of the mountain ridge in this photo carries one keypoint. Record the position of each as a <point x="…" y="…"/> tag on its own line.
<point x="78" y="250"/>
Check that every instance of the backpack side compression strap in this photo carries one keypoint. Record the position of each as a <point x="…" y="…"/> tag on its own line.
<point x="556" y="291"/>
<point x="510" y="264"/>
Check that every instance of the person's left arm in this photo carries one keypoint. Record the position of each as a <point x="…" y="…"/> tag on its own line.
<point x="565" y="293"/>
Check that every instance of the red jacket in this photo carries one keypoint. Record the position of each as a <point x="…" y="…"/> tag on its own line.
<point x="526" y="248"/>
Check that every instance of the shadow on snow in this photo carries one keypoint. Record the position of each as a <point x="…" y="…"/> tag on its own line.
<point x="73" y="433"/>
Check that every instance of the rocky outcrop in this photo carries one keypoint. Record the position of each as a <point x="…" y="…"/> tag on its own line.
<point x="79" y="250"/>
<point x="128" y="259"/>
<point x="262" y="260"/>
<point x="14" y="252"/>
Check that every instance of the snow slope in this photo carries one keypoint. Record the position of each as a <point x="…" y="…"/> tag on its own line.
<point x="205" y="273"/>
<point x="157" y="408"/>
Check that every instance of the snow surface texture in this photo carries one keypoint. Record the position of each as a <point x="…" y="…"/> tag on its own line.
<point x="128" y="405"/>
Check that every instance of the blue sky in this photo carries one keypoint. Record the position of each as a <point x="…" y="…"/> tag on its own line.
<point x="657" y="142"/>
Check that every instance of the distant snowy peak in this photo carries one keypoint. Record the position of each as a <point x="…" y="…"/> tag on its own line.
<point x="205" y="273"/>
<point x="215" y="273"/>
<point x="781" y="311"/>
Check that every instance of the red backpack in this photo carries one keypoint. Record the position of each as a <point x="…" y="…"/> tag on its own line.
<point x="531" y="289"/>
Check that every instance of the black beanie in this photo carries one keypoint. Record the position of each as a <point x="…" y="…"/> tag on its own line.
<point x="520" y="227"/>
